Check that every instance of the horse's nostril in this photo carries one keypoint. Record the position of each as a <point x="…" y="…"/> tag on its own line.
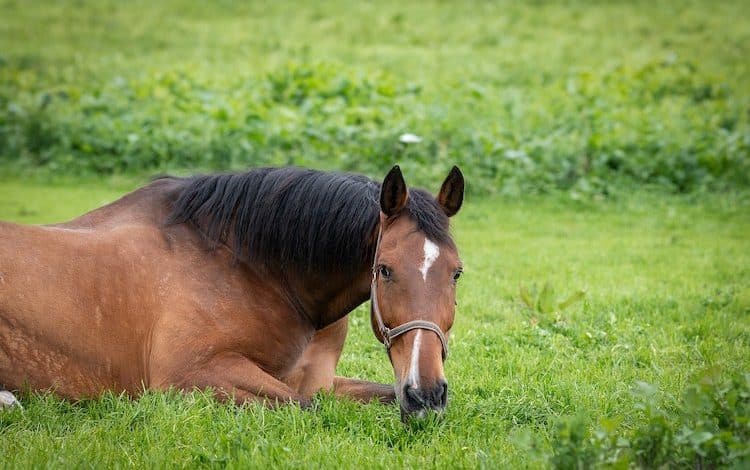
<point x="414" y="396"/>
<point x="435" y="397"/>
<point x="443" y="393"/>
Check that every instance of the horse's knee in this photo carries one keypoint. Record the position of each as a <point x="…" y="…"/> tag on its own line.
<point x="8" y="400"/>
<point x="310" y="377"/>
<point x="316" y="368"/>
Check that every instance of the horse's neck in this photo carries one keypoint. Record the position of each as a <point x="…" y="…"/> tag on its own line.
<point x="353" y="294"/>
<point x="324" y="299"/>
<point x="334" y="295"/>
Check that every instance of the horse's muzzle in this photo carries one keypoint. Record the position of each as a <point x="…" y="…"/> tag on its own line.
<point x="417" y="401"/>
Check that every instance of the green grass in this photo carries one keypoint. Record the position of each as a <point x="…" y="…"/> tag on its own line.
<point x="527" y="96"/>
<point x="647" y="368"/>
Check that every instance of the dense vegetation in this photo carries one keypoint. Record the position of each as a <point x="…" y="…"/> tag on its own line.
<point x="584" y="96"/>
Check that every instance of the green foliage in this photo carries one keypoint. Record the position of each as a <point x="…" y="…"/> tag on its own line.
<point x="544" y="302"/>
<point x="714" y="428"/>
<point x="710" y="430"/>
<point x="298" y="115"/>
<point x="588" y="119"/>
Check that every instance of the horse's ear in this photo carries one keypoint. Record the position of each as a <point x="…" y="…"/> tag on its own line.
<point x="451" y="194"/>
<point x="393" y="192"/>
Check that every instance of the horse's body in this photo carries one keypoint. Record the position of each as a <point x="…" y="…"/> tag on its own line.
<point x="161" y="289"/>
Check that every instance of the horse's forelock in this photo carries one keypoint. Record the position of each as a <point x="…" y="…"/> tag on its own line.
<point x="430" y="218"/>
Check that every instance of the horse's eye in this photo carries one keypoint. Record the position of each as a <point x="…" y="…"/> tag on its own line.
<point x="385" y="273"/>
<point x="456" y="275"/>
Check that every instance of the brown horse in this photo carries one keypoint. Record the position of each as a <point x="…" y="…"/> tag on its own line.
<point x="236" y="282"/>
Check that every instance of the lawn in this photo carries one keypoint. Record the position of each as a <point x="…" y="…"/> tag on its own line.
<point x="650" y="365"/>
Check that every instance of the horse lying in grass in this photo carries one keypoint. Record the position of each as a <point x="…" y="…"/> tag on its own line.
<point x="236" y="282"/>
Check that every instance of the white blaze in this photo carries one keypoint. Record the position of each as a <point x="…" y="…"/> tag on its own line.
<point x="413" y="378"/>
<point x="431" y="253"/>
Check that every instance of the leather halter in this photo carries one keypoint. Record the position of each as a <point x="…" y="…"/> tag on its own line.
<point x="389" y="334"/>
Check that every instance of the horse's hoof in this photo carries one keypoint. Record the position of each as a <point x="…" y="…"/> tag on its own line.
<point x="8" y="400"/>
<point x="307" y="404"/>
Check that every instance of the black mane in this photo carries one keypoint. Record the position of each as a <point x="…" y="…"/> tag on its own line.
<point x="291" y="218"/>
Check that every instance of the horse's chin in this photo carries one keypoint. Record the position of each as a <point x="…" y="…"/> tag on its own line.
<point x="415" y="415"/>
<point x="421" y="415"/>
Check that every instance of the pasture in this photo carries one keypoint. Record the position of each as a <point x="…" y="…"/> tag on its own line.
<point x="604" y="314"/>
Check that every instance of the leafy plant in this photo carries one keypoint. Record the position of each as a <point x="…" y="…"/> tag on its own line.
<point x="544" y="304"/>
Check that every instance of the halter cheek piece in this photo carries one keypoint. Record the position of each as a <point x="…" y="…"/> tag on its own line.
<point x="389" y="334"/>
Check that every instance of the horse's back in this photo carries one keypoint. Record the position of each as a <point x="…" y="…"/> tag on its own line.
<point x="147" y="205"/>
<point x="76" y="298"/>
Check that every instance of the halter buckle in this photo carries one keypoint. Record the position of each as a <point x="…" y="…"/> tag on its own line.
<point x="386" y="334"/>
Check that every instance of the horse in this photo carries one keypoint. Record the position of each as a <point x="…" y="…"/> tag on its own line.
<point x="239" y="283"/>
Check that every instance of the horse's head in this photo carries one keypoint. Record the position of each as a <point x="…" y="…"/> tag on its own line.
<point x="415" y="271"/>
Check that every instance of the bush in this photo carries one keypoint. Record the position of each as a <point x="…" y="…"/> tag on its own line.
<point x="710" y="428"/>
<point x="661" y="124"/>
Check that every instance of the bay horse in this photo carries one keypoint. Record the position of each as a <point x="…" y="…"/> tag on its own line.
<point x="240" y="283"/>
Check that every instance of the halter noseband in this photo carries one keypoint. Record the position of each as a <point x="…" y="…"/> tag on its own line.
<point x="389" y="334"/>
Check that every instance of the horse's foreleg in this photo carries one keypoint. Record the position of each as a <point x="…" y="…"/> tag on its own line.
<point x="316" y="368"/>
<point x="234" y="377"/>
<point x="363" y="391"/>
